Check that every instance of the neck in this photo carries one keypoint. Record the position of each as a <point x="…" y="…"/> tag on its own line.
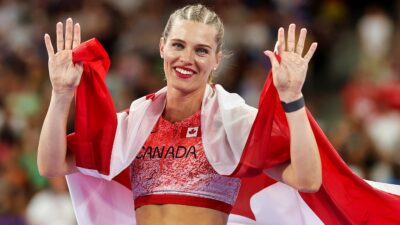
<point x="181" y="105"/>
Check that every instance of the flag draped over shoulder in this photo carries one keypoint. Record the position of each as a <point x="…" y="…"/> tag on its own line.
<point x="343" y="198"/>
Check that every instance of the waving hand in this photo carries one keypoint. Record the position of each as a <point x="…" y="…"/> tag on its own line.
<point x="64" y="75"/>
<point x="289" y="74"/>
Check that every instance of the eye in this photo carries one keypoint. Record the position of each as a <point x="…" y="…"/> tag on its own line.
<point x="202" y="51"/>
<point x="177" y="45"/>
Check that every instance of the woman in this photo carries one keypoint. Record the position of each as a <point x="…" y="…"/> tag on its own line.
<point x="191" y="49"/>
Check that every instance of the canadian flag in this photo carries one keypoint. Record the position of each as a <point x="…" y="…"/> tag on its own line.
<point x="192" y="132"/>
<point x="102" y="137"/>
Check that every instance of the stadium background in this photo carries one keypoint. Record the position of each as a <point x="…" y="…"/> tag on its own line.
<point x="352" y="86"/>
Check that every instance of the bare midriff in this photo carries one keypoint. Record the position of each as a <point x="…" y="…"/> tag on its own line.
<point x="173" y="214"/>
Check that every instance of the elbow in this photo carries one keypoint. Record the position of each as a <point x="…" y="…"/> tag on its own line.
<point x="46" y="172"/>
<point x="310" y="186"/>
<point x="43" y="170"/>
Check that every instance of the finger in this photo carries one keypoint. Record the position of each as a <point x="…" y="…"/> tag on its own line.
<point x="49" y="46"/>
<point x="281" y="40"/>
<point x="276" y="47"/>
<point x="60" y="36"/>
<point x="273" y="59"/>
<point x="291" y="37"/>
<point x="68" y="34"/>
<point x="301" y="41"/>
<point x="310" y="52"/>
<point x="77" y="35"/>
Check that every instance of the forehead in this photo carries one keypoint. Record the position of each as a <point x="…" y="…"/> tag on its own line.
<point x="193" y="32"/>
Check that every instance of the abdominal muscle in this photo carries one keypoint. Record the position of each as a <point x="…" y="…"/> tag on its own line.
<point x="172" y="214"/>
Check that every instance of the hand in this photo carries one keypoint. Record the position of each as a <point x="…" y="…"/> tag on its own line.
<point x="289" y="74"/>
<point x="64" y="75"/>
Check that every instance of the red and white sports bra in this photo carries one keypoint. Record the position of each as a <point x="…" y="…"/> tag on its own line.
<point x="171" y="168"/>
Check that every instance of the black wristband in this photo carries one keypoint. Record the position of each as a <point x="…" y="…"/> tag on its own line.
<point x="293" y="106"/>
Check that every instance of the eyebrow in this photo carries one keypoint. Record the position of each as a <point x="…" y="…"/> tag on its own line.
<point x="182" y="41"/>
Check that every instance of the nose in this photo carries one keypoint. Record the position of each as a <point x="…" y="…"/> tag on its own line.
<point x="187" y="56"/>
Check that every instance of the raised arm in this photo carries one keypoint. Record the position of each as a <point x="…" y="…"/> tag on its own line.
<point x="53" y="159"/>
<point x="304" y="170"/>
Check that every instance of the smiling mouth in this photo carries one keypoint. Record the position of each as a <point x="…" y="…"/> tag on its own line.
<point x="183" y="73"/>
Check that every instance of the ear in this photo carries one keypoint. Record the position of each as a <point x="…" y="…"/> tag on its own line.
<point x="162" y="47"/>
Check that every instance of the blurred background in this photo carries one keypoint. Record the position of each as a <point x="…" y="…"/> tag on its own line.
<point x="352" y="87"/>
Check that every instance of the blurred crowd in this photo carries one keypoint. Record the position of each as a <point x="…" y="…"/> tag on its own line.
<point x="352" y="88"/>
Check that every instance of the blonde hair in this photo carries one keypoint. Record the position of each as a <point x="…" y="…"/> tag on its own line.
<point x="198" y="13"/>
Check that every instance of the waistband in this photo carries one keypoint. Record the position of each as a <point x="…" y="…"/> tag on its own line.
<point x="159" y="199"/>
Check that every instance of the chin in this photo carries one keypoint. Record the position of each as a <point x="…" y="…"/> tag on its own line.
<point x="184" y="87"/>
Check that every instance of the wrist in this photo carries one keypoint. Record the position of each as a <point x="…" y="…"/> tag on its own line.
<point x="289" y="96"/>
<point x="62" y="96"/>
<point x="293" y="106"/>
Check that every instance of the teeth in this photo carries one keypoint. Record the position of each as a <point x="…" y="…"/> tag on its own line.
<point x="180" y="70"/>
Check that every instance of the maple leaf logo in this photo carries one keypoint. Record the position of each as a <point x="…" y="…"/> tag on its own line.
<point x="192" y="132"/>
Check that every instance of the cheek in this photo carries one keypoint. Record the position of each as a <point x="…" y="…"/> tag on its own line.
<point x="167" y="63"/>
<point x="206" y="65"/>
<point x="169" y="58"/>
